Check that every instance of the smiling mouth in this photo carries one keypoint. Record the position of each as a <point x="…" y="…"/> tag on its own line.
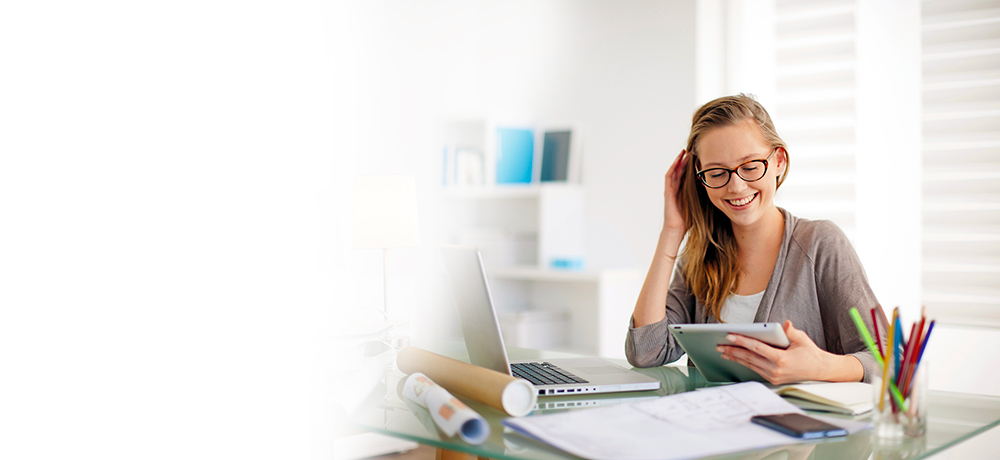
<point x="743" y="201"/>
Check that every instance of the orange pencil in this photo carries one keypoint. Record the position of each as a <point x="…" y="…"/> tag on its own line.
<point x="885" y="369"/>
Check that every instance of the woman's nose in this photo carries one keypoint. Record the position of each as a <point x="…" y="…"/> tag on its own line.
<point x="736" y="183"/>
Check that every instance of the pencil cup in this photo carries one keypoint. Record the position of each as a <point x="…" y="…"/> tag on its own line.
<point x="908" y="420"/>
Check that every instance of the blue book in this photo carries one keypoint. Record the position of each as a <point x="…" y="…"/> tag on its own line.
<point x="515" y="153"/>
<point x="555" y="156"/>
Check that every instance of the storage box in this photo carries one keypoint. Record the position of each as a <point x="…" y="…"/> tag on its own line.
<point x="534" y="328"/>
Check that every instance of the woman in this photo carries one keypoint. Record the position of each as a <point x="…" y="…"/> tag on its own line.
<point x="746" y="260"/>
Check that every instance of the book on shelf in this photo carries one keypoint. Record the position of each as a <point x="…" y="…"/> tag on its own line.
<point x="556" y="156"/>
<point x="515" y="152"/>
<point x="850" y="398"/>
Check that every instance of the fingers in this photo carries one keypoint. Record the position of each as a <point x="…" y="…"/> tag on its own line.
<point x="678" y="166"/>
<point x="750" y="359"/>
<point x="768" y="352"/>
<point x="795" y="335"/>
<point x="763" y="371"/>
<point x="678" y="161"/>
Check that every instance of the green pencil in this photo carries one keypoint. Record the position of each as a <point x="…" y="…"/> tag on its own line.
<point x="863" y="330"/>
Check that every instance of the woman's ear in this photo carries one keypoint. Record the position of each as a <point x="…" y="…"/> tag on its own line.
<point x="782" y="161"/>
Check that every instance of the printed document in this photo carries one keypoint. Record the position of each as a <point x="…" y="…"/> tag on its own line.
<point x="685" y="425"/>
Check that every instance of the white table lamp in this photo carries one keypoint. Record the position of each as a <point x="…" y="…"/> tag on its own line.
<point x="385" y="216"/>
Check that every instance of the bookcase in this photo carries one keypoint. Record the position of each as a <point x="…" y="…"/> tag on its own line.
<point x="532" y="239"/>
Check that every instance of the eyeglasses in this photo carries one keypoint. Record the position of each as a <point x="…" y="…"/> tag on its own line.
<point x="750" y="171"/>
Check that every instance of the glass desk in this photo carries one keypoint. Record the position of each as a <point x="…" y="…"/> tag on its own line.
<point x="953" y="418"/>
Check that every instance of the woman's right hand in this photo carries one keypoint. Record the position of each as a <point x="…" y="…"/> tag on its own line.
<point x="673" y="219"/>
<point x="649" y="308"/>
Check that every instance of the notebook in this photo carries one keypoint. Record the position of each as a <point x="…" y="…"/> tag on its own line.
<point x="850" y="398"/>
<point x="481" y="329"/>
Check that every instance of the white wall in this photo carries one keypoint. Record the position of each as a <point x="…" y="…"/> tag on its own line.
<point x="621" y="71"/>
<point x="166" y="183"/>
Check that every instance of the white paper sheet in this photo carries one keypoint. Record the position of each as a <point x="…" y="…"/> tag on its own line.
<point x="692" y="424"/>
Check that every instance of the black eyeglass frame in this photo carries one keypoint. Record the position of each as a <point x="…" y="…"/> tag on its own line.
<point x="701" y="174"/>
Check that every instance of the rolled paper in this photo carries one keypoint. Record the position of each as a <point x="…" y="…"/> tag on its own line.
<point x="514" y="396"/>
<point x="448" y="413"/>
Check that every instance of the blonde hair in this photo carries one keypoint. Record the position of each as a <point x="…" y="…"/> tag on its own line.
<point x="712" y="268"/>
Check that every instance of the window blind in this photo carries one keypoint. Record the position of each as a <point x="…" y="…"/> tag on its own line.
<point x="814" y="109"/>
<point x="961" y="160"/>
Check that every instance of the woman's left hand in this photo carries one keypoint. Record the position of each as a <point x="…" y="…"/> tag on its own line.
<point x="802" y="360"/>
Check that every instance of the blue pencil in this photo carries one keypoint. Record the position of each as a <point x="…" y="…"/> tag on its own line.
<point x="923" y="346"/>
<point x="900" y="346"/>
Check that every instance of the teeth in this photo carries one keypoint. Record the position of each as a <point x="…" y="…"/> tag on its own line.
<point x="743" y="201"/>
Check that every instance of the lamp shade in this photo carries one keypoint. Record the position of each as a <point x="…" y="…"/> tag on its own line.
<point x="385" y="211"/>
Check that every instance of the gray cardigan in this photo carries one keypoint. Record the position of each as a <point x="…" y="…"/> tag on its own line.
<point x="816" y="280"/>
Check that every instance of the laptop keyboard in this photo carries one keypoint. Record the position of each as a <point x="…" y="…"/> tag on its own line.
<point x="544" y="374"/>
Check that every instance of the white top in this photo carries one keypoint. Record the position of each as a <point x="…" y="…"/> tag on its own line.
<point x="740" y="308"/>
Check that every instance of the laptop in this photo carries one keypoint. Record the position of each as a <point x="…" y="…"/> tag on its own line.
<point x="562" y="376"/>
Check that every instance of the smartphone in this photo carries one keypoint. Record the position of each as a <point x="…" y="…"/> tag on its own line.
<point x="799" y="426"/>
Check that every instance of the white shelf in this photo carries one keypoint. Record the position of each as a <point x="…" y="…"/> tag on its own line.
<point x="532" y="273"/>
<point x="503" y="191"/>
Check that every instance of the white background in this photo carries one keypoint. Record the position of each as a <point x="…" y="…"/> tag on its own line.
<point x="167" y="174"/>
<point x="175" y="179"/>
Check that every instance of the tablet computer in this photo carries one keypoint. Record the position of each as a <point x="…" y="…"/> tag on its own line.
<point x="700" y="340"/>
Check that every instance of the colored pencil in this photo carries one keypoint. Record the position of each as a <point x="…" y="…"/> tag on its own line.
<point x="920" y="356"/>
<point x="885" y="369"/>
<point x="881" y="315"/>
<point x="863" y="330"/>
<point x="911" y="364"/>
<point x="878" y="340"/>
<point x="897" y="396"/>
<point x="923" y="346"/>
<point x="908" y="352"/>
